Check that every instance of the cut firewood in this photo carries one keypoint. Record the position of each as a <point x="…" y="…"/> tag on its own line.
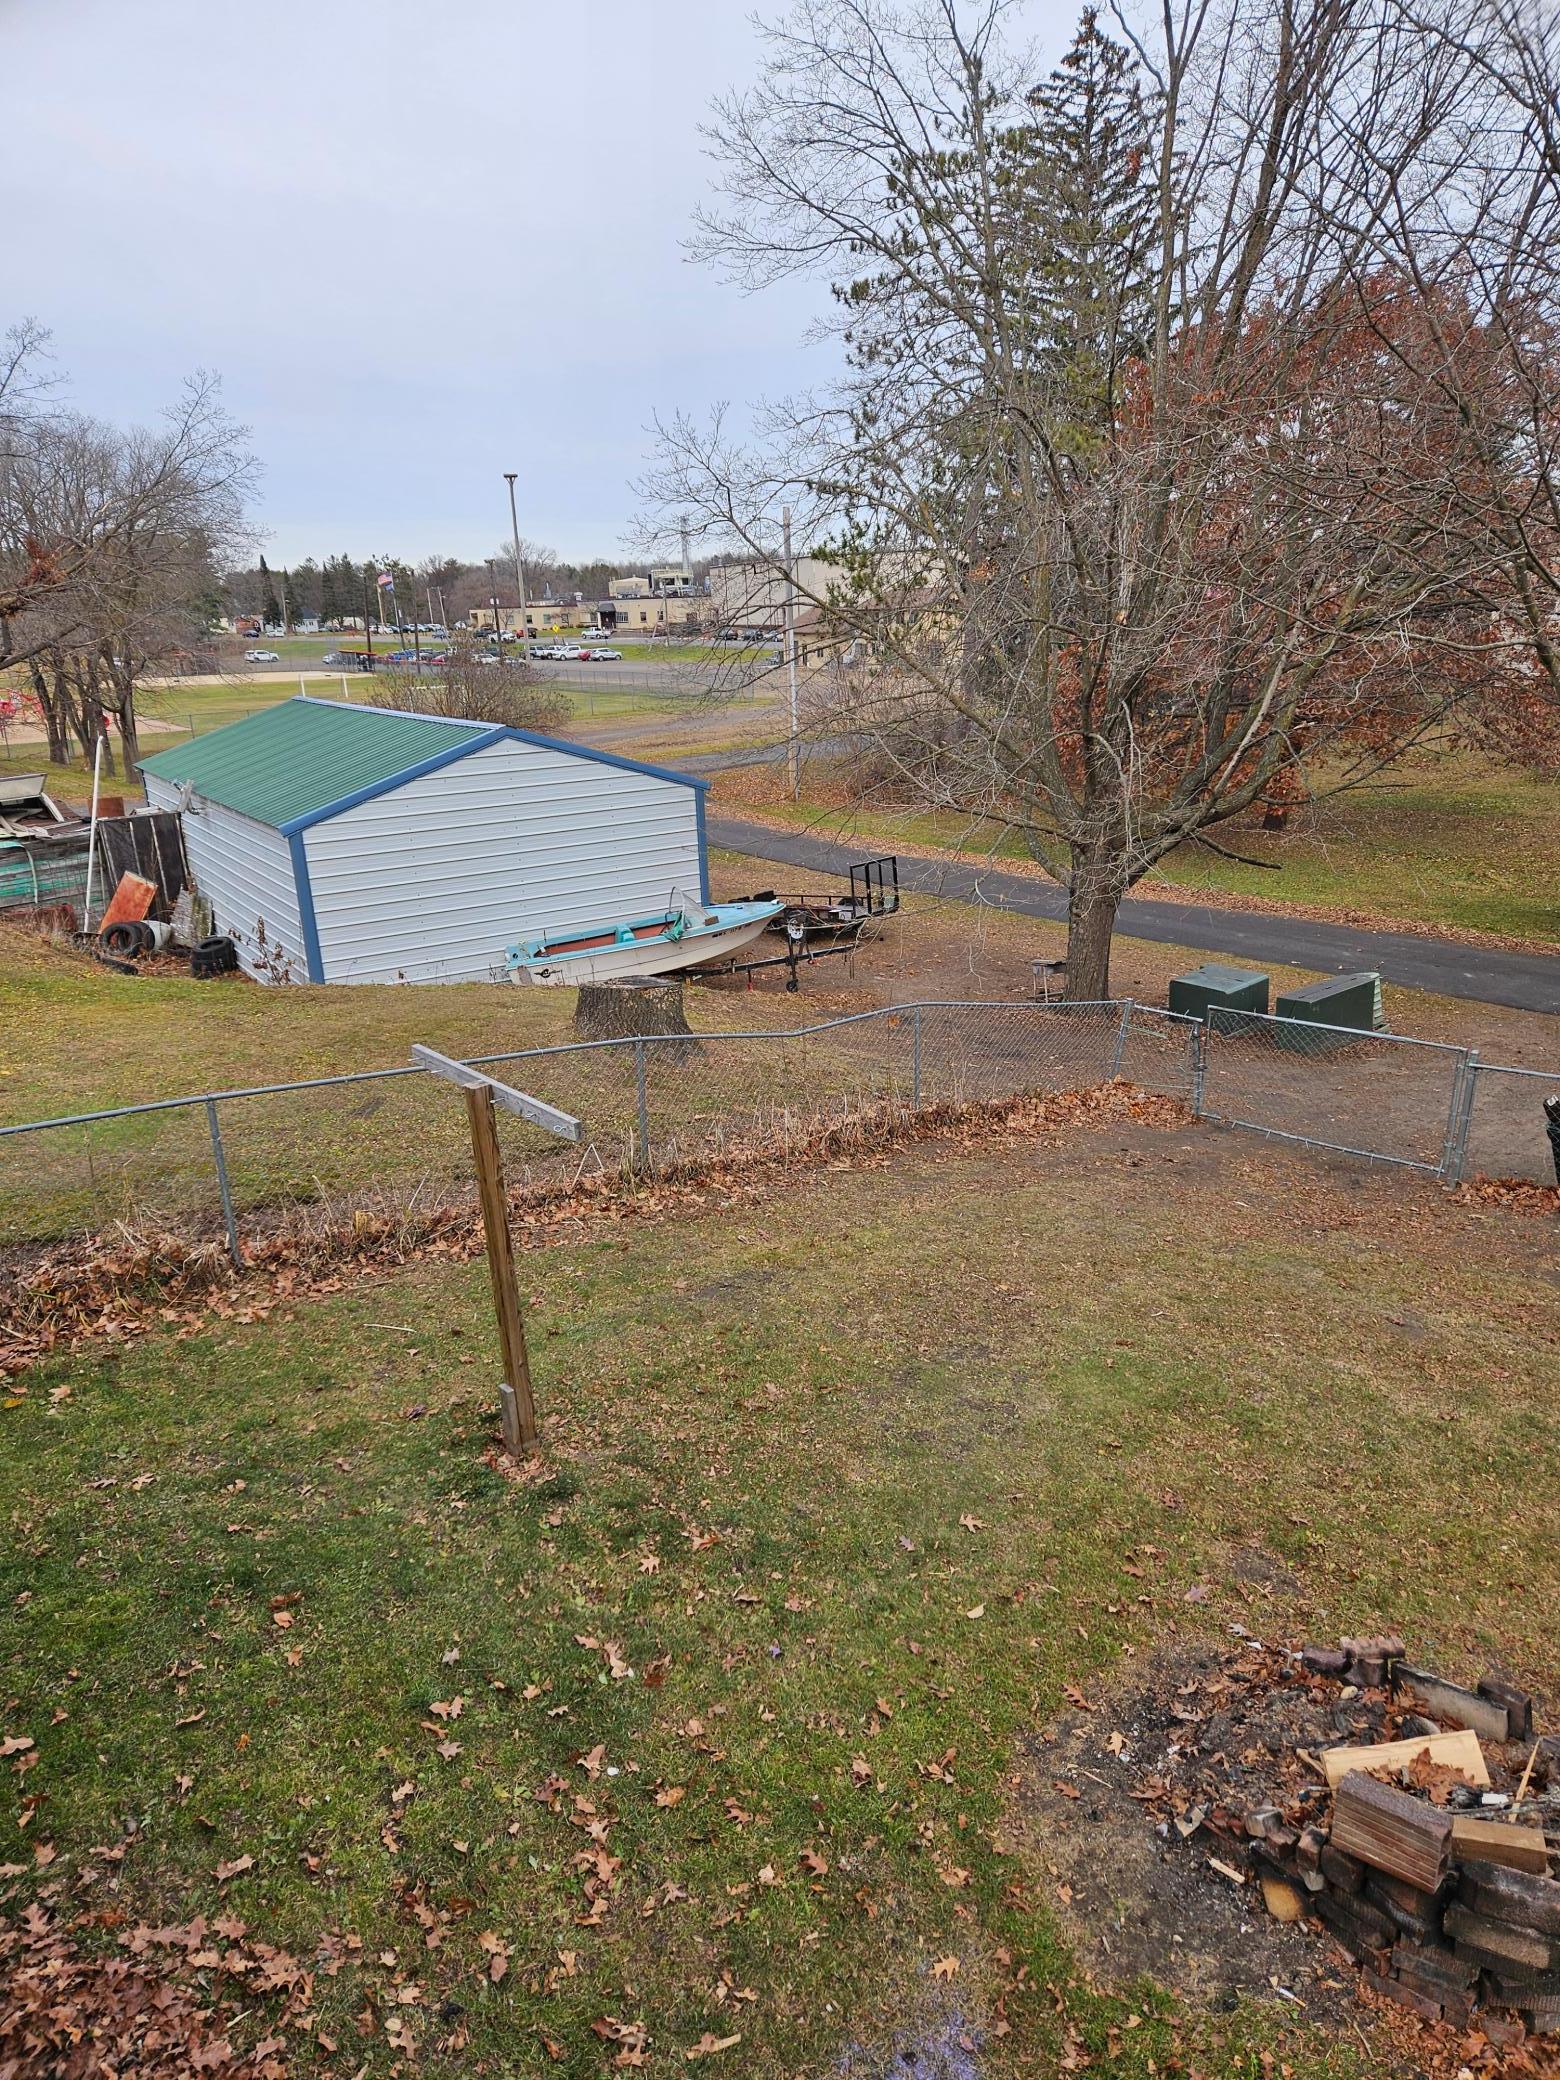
<point x="1459" y="1751"/>
<point x="1508" y="1895"/>
<point x="1391" y="1831"/>
<point x="1450" y="1701"/>
<point x="1497" y="1943"/>
<point x="1518" y="1704"/>
<point x="1360" y="1927"/>
<point x="1500" y="1841"/>
<point x="1281" y="1900"/>
<point x="1434" y="1971"/>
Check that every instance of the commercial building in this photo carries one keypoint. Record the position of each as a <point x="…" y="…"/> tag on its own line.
<point x="748" y="599"/>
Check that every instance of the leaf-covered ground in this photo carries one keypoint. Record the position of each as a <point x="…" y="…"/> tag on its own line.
<point x="701" y="1739"/>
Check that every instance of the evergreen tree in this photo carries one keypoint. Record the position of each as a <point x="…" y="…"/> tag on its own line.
<point x="1082" y="218"/>
<point x="329" y="610"/>
<point x="306" y="578"/>
<point x="270" y="606"/>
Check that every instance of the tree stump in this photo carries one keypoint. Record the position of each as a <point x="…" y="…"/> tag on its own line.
<point x="634" y="1011"/>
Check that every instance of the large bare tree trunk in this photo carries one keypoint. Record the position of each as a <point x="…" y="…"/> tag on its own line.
<point x="1092" y="904"/>
<point x="1089" y="928"/>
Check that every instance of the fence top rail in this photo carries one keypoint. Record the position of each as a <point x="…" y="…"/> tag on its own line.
<point x="1511" y="1069"/>
<point x="316" y="1083"/>
<point x="1218" y="1013"/>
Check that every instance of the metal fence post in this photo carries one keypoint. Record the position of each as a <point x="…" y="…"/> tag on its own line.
<point x="1454" y="1150"/>
<point x="229" y="1220"/>
<point x="644" y="1105"/>
<point x="915" y="1064"/>
<point x="1198" y="1036"/>
<point x="1121" y="1038"/>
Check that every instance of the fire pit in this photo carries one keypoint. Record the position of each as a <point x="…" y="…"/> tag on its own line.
<point x="1241" y="1804"/>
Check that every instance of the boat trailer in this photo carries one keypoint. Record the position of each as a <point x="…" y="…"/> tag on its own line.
<point x="817" y="925"/>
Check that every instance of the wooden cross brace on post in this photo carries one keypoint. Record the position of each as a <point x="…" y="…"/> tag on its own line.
<point x="483" y="1094"/>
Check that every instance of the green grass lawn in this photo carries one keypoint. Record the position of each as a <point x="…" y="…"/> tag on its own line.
<point x="853" y="1495"/>
<point x="195" y="706"/>
<point x="1449" y="841"/>
<point x="80" y="1037"/>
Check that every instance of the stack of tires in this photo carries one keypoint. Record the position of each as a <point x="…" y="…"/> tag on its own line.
<point x="134" y="937"/>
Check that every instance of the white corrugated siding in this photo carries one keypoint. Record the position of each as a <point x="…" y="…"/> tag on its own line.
<point x="245" y="870"/>
<point x="433" y="881"/>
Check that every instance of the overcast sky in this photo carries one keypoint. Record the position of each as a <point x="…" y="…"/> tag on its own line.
<point x="422" y="245"/>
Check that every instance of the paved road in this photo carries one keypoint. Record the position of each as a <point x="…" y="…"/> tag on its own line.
<point x="1524" y="981"/>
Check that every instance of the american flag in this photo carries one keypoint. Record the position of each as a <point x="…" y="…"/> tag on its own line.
<point x="385" y="579"/>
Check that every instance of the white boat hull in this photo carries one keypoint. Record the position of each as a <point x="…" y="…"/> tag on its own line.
<point x="643" y="957"/>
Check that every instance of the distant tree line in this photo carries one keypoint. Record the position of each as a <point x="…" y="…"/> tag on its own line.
<point x="335" y="590"/>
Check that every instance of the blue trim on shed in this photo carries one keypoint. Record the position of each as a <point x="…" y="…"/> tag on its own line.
<point x="498" y="734"/>
<point x="608" y="758"/>
<point x="704" y="848"/>
<point x="386" y="786"/>
<point x="305" y="888"/>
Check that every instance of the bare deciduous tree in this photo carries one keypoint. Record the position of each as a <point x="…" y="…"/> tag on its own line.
<point x="468" y="689"/>
<point x="1144" y="481"/>
<point x="110" y="542"/>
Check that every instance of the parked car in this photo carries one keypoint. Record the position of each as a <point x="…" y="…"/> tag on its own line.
<point x="606" y="656"/>
<point x="262" y="657"/>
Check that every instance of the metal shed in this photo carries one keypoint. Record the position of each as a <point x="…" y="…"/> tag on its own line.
<point x="343" y="843"/>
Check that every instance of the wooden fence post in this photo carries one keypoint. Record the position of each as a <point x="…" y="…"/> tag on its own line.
<point x="519" y="1410"/>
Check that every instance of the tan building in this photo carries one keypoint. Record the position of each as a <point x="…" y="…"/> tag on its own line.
<point x="539" y="615"/>
<point x="749" y="598"/>
<point x="638" y="614"/>
<point x="670" y="582"/>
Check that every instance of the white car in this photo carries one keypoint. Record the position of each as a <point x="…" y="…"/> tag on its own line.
<point x="262" y="657"/>
<point x="607" y="656"/>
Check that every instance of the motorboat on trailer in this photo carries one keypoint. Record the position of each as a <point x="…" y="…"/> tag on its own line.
<point x="688" y="934"/>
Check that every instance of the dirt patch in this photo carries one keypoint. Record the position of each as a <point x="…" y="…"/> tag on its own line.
<point x="1136" y="1894"/>
<point x="1160" y="1812"/>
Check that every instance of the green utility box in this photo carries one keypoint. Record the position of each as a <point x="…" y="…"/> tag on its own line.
<point x="1342" y="1000"/>
<point x="1216" y="988"/>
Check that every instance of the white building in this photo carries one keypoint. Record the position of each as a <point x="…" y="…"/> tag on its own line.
<point x="342" y="843"/>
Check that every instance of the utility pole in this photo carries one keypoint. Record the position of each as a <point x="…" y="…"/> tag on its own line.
<point x="793" y="753"/>
<point x="368" y="626"/>
<point x="514" y="530"/>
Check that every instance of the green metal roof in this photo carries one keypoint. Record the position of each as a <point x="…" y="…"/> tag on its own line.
<point x="291" y="761"/>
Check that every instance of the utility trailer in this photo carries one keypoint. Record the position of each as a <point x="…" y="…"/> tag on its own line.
<point x="816" y="924"/>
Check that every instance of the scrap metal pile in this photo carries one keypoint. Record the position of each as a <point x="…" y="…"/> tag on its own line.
<point x="1417" y="1821"/>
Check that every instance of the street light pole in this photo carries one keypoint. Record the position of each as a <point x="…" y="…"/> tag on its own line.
<point x="793" y="753"/>
<point x="514" y="529"/>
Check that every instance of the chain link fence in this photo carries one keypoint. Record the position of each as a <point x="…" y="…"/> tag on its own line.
<point x="394" y="1142"/>
<point x="1502" y="1129"/>
<point x="1379" y="1095"/>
